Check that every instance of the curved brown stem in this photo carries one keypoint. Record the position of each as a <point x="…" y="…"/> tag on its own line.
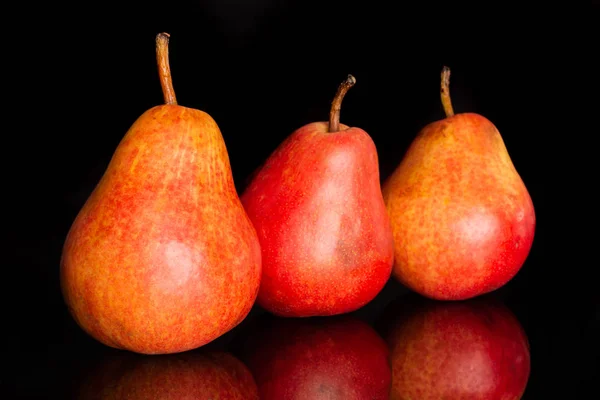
<point x="336" y="104"/>
<point x="164" y="70"/>
<point x="445" y="92"/>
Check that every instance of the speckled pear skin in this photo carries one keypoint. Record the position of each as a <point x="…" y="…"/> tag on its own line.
<point x="162" y="258"/>
<point x="462" y="219"/>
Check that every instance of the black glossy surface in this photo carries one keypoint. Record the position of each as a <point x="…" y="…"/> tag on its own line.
<point x="56" y="362"/>
<point x="262" y="71"/>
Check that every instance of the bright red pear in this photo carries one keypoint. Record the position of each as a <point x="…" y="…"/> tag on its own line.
<point x="317" y="207"/>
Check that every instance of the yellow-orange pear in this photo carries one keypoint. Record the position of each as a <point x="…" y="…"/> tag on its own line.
<point x="162" y="257"/>
<point x="462" y="219"/>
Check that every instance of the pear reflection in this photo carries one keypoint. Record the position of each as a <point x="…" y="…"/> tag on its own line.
<point x="192" y="375"/>
<point x="316" y="358"/>
<point x="474" y="349"/>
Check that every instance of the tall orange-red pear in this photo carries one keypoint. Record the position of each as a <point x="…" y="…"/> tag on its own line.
<point x="319" y="214"/>
<point x="162" y="257"/>
<point x="462" y="218"/>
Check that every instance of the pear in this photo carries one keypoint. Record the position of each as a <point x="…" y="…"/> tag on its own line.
<point x="462" y="218"/>
<point x="162" y="257"/>
<point x="317" y="207"/>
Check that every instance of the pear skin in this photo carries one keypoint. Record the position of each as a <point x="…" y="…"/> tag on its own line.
<point x="162" y="257"/>
<point x="317" y="207"/>
<point x="462" y="218"/>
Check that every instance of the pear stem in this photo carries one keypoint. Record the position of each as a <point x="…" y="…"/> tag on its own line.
<point x="336" y="104"/>
<point x="164" y="70"/>
<point x="445" y="92"/>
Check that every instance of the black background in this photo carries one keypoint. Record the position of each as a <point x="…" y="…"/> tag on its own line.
<point x="263" y="69"/>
